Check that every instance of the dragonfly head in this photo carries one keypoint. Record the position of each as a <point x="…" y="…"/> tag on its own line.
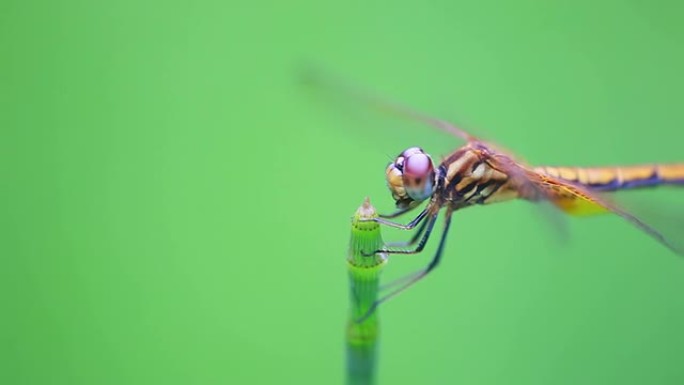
<point x="411" y="177"/>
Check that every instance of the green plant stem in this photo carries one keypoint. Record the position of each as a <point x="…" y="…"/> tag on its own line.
<point x="364" y="277"/>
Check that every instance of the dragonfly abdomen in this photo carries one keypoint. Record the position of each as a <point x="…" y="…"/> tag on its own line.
<point x="618" y="178"/>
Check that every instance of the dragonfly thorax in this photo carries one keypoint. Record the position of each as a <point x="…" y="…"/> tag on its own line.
<point x="411" y="177"/>
<point x="470" y="178"/>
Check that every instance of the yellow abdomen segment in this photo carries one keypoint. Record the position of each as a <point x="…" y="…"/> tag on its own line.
<point x="618" y="178"/>
<point x="570" y="199"/>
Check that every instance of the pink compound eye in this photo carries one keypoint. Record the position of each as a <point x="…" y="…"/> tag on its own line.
<point x="417" y="165"/>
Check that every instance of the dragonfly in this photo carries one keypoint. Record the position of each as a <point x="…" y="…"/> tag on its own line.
<point x="479" y="173"/>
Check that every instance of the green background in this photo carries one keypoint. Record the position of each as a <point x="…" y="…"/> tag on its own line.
<point x="175" y="206"/>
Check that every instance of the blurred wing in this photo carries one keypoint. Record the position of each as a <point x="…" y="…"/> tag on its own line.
<point x="330" y="83"/>
<point x="578" y="200"/>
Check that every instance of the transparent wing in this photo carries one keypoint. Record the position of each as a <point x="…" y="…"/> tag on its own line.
<point x="661" y="208"/>
<point x="578" y="200"/>
<point x="344" y="88"/>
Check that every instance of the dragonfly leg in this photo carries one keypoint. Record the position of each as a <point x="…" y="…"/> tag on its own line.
<point x="396" y="213"/>
<point x="414" y="222"/>
<point x="429" y="224"/>
<point x="411" y="279"/>
<point x="423" y="240"/>
<point x="413" y="239"/>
